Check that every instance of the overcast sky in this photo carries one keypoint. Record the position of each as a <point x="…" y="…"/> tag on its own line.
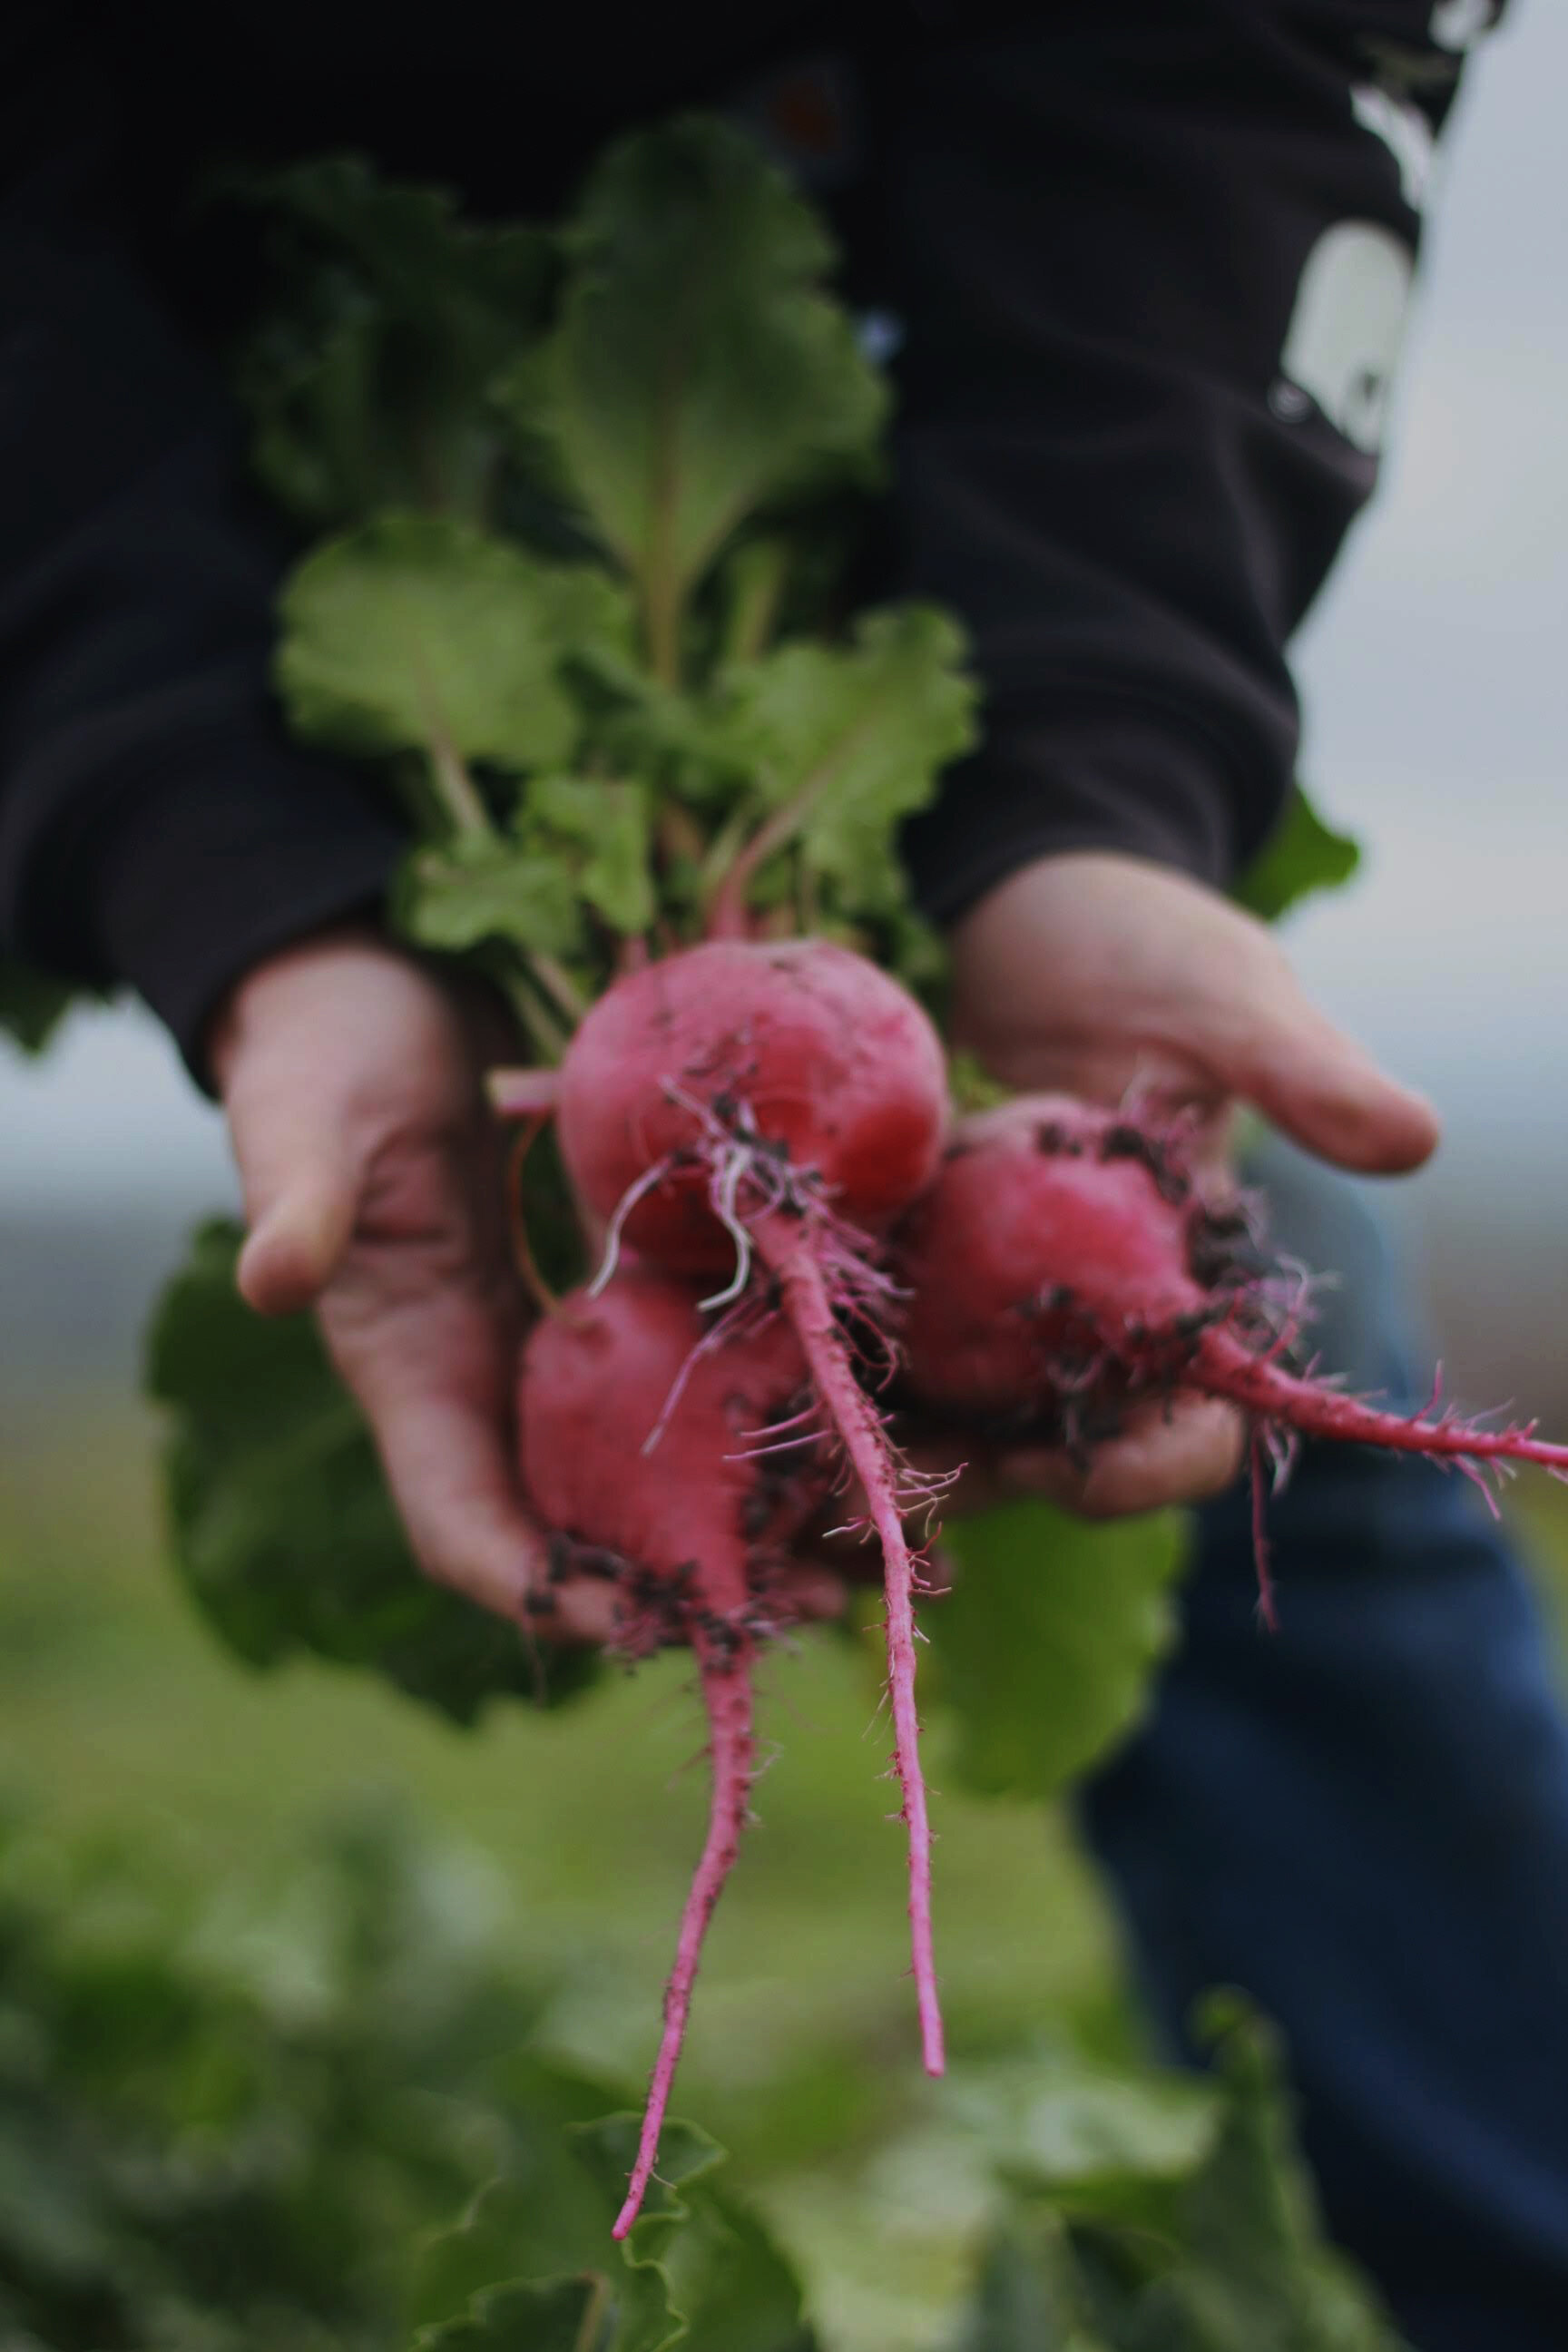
<point x="1436" y="683"/>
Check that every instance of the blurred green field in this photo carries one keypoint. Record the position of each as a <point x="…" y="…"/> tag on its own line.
<point x="118" y="1713"/>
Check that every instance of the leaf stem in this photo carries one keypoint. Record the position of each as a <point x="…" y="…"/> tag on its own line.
<point x="757" y="571"/>
<point x="557" y="985"/>
<point x="455" y="790"/>
<point x="662" y="608"/>
<point x="727" y="907"/>
<point x="527" y="1264"/>
<point x="595" y="2311"/>
<point x="539" y="1026"/>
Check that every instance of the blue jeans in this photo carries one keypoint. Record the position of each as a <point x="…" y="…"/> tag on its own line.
<point x="1363" y="1820"/>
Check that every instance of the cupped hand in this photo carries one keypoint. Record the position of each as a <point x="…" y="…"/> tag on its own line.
<point x="1091" y="972"/>
<point x="373" y="1182"/>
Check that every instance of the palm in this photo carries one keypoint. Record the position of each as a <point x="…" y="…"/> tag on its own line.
<point x="374" y="1185"/>
<point x="1095" y="973"/>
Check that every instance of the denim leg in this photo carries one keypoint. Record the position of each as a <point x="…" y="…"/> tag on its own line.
<point x="1363" y="1820"/>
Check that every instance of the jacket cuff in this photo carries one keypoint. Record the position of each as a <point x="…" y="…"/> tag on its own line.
<point x="188" y="883"/>
<point x="1099" y="779"/>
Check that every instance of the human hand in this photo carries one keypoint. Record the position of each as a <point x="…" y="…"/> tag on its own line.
<point x="1090" y="972"/>
<point x="373" y="1183"/>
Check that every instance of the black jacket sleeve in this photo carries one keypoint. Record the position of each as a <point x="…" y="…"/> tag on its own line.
<point x="1151" y="258"/>
<point x="1151" y="261"/>
<point x="156" y="826"/>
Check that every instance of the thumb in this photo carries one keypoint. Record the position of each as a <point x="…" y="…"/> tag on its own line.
<point x="1326" y="1092"/>
<point x="301" y="1186"/>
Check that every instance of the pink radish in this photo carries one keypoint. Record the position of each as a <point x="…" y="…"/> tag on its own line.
<point x="689" y="1520"/>
<point x="782" y="1101"/>
<point x="1065" y="1262"/>
<point x="704" y="1087"/>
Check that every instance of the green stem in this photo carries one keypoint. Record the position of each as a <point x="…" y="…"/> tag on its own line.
<point x="757" y="573"/>
<point x="727" y="907"/>
<point x="455" y="790"/>
<point x="595" y="2311"/>
<point x="539" y="1027"/>
<point x="662" y="614"/>
<point x="558" y="985"/>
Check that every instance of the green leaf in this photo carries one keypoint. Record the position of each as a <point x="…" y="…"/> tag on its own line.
<point x="1304" y="855"/>
<point x="414" y="633"/>
<point x="224" y="2118"/>
<point x="282" y="1529"/>
<point x="575" y="842"/>
<point x="1031" y="2296"/>
<point x="1057" y="2121"/>
<point x="549" y="2316"/>
<point x="698" y="2269"/>
<point x="824" y="750"/>
<point x="607" y="825"/>
<point x="697" y="372"/>
<point x="370" y="378"/>
<point x="1220" y="2249"/>
<point x="738" y="2290"/>
<point x="32" y="1005"/>
<point x="855" y="735"/>
<point x="1049" y="1639"/>
<point x="485" y="887"/>
<point x="1258" y="2274"/>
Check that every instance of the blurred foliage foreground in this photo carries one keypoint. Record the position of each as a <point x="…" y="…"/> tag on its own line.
<point x="358" y="2092"/>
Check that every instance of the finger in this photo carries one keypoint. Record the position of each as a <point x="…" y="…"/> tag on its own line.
<point x="1184" y="1452"/>
<point x="448" y="1463"/>
<point x="815" y="1590"/>
<point x="301" y="1182"/>
<point x="297" y="1243"/>
<point x="582" y="1611"/>
<point x="1325" y="1091"/>
<point x="807" y="1591"/>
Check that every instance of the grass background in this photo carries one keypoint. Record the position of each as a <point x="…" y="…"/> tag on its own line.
<point x="119" y="1713"/>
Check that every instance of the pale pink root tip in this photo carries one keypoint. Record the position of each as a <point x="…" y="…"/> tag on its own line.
<point x="1262" y="1549"/>
<point x="522" y="1094"/>
<point x="727" y="1694"/>
<point x="785" y="1245"/>
<point x="1223" y="1367"/>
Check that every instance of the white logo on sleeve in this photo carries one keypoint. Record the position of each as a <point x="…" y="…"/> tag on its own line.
<point x="1404" y="132"/>
<point x="1458" y="25"/>
<point x="1345" y="331"/>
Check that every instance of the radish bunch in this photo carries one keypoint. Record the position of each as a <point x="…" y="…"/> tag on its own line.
<point x="795" y="1230"/>
<point x="754" y="1115"/>
<point x="642" y="780"/>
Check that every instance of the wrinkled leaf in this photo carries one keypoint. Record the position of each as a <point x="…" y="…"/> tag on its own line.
<point x="1059" y="2121"/>
<point x="698" y="2269"/>
<point x="1047" y="1642"/>
<point x="32" y="1005"/>
<point x="484" y="889"/>
<point x="1305" y="855"/>
<point x="698" y="371"/>
<point x="1258" y="2274"/>
<point x="855" y="737"/>
<point x="551" y="2315"/>
<point x="187" y="2159"/>
<point x="369" y="381"/>
<point x="1228" y="2254"/>
<point x="737" y="2288"/>
<point x="606" y="825"/>
<point x="282" y="1529"/>
<point x="1031" y="2296"/>
<point x="410" y="633"/>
